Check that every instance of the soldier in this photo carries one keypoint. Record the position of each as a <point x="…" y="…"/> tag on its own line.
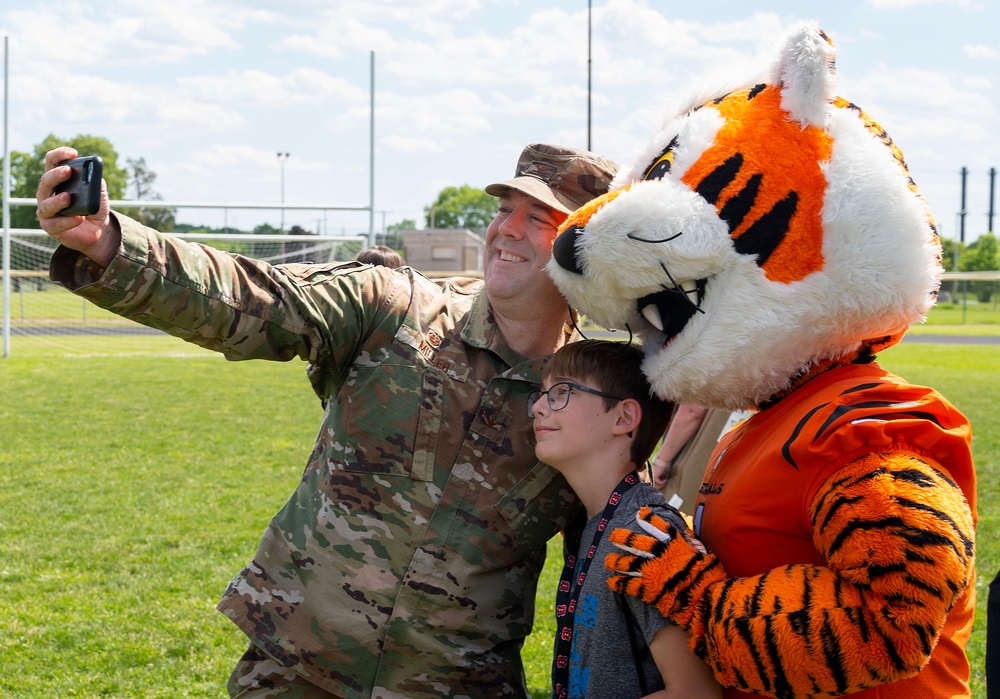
<point x="405" y="562"/>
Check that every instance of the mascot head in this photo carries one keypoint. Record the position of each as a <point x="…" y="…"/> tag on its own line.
<point x="768" y="231"/>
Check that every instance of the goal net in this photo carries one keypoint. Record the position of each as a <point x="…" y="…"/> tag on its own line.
<point x="45" y="319"/>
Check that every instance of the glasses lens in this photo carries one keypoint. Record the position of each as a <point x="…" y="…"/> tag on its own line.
<point x="559" y="396"/>
<point x="532" y="399"/>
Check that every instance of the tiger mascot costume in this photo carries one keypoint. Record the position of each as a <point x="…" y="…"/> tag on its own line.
<point x="764" y="246"/>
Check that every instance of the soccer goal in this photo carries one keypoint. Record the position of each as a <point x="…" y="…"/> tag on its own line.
<point x="46" y="319"/>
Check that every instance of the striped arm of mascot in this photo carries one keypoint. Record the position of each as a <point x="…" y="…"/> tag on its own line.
<point x="768" y="234"/>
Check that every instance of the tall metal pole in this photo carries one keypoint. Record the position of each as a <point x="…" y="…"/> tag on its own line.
<point x="961" y="212"/>
<point x="282" y="157"/>
<point x="961" y="237"/>
<point x="989" y="216"/>
<point x="371" y="156"/>
<point x="589" y="3"/>
<point x="993" y="181"/>
<point x="6" y="212"/>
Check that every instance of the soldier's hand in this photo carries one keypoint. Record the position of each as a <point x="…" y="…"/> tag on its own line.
<point x="95" y="236"/>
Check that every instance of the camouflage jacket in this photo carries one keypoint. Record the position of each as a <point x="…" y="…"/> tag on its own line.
<point x="406" y="561"/>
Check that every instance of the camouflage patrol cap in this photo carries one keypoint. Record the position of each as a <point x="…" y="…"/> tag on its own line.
<point x="560" y="177"/>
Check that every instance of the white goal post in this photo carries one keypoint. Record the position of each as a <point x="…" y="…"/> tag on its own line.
<point x="44" y="318"/>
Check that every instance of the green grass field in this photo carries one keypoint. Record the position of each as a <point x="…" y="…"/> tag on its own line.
<point x="133" y="487"/>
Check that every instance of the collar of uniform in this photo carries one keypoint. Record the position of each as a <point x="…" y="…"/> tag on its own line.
<point x="481" y="331"/>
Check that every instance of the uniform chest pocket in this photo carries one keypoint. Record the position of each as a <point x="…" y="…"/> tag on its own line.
<point x="538" y="507"/>
<point x="389" y="416"/>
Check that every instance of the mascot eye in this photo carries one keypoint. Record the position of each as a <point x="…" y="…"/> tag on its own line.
<point x="661" y="166"/>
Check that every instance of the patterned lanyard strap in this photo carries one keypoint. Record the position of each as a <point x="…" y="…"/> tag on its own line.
<point x="570" y="583"/>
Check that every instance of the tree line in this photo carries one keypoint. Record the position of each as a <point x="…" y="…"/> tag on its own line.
<point x="26" y="170"/>
<point x="981" y="255"/>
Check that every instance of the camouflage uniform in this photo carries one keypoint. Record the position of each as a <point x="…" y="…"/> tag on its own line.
<point x="406" y="560"/>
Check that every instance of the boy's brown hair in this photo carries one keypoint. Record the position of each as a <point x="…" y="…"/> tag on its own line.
<point x="616" y="368"/>
<point x="380" y="255"/>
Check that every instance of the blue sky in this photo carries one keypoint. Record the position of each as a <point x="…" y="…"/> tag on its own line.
<point x="208" y="91"/>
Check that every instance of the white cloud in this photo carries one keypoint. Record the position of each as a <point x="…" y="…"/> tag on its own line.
<point x="413" y="144"/>
<point x="252" y="159"/>
<point x="309" y="45"/>
<point x="172" y="115"/>
<point x="981" y="52"/>
<point x="921" y="91"/>
<point x="905" y="4"/>
<point x="29" y="28"/>
<point x="439" y="115"/>
<point x="345" y="34"/>
<point x="300" y="86"/>
<point x="977" y="83"/>
<point x="940" y="121"/>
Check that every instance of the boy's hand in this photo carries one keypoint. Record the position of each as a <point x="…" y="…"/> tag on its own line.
<point x="669" y="567"/>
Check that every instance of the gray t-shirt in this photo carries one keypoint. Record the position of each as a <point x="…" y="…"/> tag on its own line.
<point x="602" y="663"/>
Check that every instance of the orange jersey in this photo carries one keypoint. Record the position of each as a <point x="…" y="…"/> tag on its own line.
<point x="753" y="509"/>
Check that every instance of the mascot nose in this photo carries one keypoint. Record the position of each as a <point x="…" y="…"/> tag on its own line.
<point x="564" y="249"/>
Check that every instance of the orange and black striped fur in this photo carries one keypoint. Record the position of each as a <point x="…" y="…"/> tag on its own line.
<point x="871" y="582"/>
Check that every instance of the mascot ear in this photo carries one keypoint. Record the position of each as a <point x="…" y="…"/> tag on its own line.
<point x="805" y="71"/>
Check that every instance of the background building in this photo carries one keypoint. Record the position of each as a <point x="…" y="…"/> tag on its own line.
<point x="451" y="250"/>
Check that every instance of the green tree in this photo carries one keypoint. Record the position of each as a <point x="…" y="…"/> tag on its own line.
<point x="982" y="255"/>
<point x="461" y="207"/>
<point x="951" y="253"/>
<point x="407" y="224"/>
<point x="949" y="247"/>
<point x="393" y="238"/>
<point x="293" y="251"/>
<point x="266" y="229"/>
<point x="26" y="170"/>
<point x="267" y="251"/>
<point x="141" y="178"/>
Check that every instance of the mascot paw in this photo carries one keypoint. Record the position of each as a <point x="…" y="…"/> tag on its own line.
<point x="667" y="567"/>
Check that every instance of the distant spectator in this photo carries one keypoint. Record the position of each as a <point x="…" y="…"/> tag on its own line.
<point x="687" y="445"/>
<point x="380" y="255"/>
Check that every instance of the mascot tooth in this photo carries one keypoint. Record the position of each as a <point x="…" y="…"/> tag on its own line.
<point x="765" y="244"/>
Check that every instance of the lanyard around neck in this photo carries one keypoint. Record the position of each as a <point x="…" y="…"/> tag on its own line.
<point x="570" y="583"/>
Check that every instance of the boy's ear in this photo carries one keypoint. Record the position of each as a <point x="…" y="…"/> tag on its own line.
<point x="629" y="416"/>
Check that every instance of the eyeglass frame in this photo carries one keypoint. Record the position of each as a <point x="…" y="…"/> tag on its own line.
<point x="535" y="396"/>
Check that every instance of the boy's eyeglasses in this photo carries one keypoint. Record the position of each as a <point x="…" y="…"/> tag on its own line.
<point x="558" y="395"/>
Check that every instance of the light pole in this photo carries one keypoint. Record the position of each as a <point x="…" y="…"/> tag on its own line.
<point x="282" y="157"/>
<point x="589" y="3"/>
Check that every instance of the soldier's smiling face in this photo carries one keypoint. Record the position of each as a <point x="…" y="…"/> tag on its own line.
<point x="518" y="246"/>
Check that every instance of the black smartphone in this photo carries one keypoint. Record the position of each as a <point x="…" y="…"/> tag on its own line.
<point x="83" y="185"/>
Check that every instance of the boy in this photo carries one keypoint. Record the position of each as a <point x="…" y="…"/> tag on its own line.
<point x="595" y="421"/>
